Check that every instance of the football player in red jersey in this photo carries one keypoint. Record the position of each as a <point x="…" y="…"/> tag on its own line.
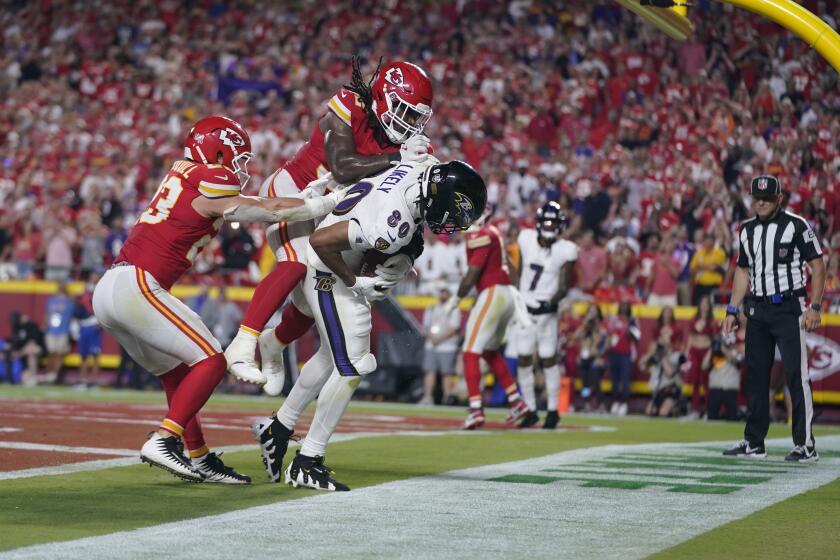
<point x="132" y="300"/>
<point x="497" y="304"/>
<point x="367" y="127"/>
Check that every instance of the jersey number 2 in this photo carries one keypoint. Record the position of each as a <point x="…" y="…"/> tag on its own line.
<point x="163" y="201"/>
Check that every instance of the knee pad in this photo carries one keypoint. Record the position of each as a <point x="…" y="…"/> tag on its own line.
<point x="365" y="365"/>
<point x="361" y="366"/>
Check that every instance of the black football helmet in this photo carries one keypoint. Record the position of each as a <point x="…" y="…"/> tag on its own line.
<point x="551" y="221"/>
<point x="452" y="197"/>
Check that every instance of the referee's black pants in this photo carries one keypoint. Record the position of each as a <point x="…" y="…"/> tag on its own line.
<point x="769" y="325"/>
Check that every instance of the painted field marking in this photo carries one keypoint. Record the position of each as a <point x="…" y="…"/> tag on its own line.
<point x="98" y="465"/>
<point x="6" y="430"/>
<point x="152" y="422"/>
<point x="65" y="448"/>
<point x="481" y="515"/>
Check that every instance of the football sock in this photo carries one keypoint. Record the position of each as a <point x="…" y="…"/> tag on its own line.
<point x="472" y="374"/>
<point x="332" y="403"/>
<point x="500" y="370"/>
<point x="193" y="436"/>
<point x="552" y="385"/>
<point x="270" y="294"/>
<point x="293" y="325"/>
<point x="313" y="375"/>
<point x="525" y="377"/>
<point x="193" y="391"/>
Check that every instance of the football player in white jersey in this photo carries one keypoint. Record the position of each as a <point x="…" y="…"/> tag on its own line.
<point x="379" y="214"/>
<point x="544" y="275"/>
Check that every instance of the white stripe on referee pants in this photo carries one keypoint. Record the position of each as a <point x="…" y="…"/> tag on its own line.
<point x="806" y="389"/>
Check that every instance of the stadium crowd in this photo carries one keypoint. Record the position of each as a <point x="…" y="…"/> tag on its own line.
<point x="648" y="143"/>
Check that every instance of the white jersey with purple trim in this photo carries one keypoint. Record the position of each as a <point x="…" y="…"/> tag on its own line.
<point x="382" y="212"/>
<point x="540" y="268"/>
<point x="383" y="215"/>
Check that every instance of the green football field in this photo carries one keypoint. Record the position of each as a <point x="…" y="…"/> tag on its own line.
<point x="72" y="487"/>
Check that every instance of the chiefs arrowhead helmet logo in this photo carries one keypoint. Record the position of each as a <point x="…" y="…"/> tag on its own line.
<point x="394" y="76"/>
<point x="231" y="138"/>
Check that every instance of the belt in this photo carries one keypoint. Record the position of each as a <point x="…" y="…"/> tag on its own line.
<point x="776" y="299"/>
<point x="120" y="263"/>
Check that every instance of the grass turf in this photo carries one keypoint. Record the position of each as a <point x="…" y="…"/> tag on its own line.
<point x="804" y="526"/>
<point x="55" y="508"/>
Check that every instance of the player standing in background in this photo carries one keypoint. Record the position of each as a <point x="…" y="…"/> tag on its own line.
<point x="379" y="214"/>
<point x="545" y="273"/>
<point x="367" y="128"/>
<point x="132" y="300"/>
<point x="497" y="304"/>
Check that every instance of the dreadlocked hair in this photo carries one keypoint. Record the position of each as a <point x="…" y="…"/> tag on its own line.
<point x="364" y="89"/>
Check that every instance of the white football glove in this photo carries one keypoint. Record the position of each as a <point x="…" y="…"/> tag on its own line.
<point x="319" y="186"/>
<point x="314" y="206"/>
<point x="373" y="288"/>
<point x="395" y="268"/>
<point x="521" y="310"/>
<point x="415" y="148"/>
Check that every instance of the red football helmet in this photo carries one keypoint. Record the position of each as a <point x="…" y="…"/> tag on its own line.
<point x="217" y="137"/>
<point x="402" y="100"/>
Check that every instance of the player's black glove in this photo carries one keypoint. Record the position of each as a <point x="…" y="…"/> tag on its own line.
<point x="415" y="247"/>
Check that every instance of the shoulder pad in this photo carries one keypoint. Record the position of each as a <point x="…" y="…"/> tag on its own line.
<point x="343" y="104"/>
<point x="215" y="181"/>
<point x="480" y="241"/>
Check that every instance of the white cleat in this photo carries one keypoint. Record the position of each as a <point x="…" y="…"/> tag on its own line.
<point x="271" y="351"/>
<point x="240" y="358"/>
<point x="167" y="454"/>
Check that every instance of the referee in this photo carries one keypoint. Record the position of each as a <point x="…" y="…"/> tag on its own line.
<point x="774" y="247"/>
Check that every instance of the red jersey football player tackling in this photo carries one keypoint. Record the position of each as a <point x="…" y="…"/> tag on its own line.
<point x="366" y="128"/>
<point x="132" y="300"/>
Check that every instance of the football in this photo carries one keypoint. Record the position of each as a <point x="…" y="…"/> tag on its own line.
<point x="370" y="261"/>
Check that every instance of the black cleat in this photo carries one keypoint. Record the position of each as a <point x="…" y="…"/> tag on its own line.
<point x="744" y="449"/>
<point x="551" y="420"/>
<point x="273" y="438"/>
<point x="530" y="419"/>
<point x="803" y="454"/>
<point x="311" y="472"/>
<point x="212" y="469"/>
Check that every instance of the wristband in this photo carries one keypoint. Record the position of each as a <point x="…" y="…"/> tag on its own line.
<point x="816" y="307"/>
<point x="732" y="310"/>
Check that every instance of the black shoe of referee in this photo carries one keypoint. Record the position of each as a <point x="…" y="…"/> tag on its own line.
<point x="744" y="449"/>
<point x="803" y="454"/>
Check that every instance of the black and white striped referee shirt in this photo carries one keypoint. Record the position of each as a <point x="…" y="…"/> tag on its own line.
<point x="775" y="252"/>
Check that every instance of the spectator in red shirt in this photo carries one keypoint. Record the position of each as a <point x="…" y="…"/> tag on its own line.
<point x="662" y="283"/>
<point x="591" y="265"/>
